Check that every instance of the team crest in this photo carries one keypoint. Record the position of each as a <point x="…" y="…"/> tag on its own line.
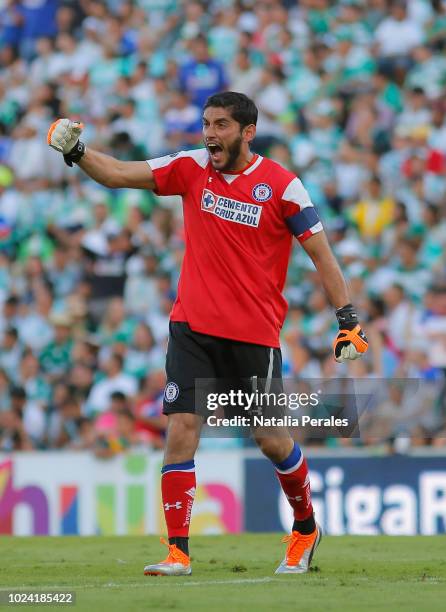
<point x="208" y="200"/>
<point x="171" y="392"/>
<point x="262" y="192"/>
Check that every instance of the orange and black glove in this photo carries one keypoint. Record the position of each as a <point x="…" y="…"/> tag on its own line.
<point x="351" y="341"/>
<point x="63" y="136"/>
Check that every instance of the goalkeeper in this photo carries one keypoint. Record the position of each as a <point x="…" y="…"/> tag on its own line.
<point x="241" y="211"/>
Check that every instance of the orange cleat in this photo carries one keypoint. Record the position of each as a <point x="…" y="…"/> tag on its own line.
<point x="177" y="563"/>
<point x="300" y="552"/>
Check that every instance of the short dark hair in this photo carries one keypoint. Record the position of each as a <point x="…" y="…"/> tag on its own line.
<point x="242" y="109"/>
<point x="17" y="393"/>
<point x="118" y="396"/>
<point x="11" y="331"/>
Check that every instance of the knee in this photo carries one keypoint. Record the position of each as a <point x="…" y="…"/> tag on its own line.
<point x="276" y="449"/>
<point x="183" y="425"/>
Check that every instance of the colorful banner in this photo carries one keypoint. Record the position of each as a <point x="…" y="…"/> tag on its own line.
<point x="68" y="493"/>
<point x="394" y="495"/>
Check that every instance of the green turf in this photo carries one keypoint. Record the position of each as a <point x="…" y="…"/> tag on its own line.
<point x="232" y="573"/>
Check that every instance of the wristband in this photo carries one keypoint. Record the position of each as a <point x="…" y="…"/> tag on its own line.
<point x="347" y="317"/>
<point x="75" y="154"/>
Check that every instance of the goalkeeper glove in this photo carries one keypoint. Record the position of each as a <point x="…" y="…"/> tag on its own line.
<point x="351" y="341"/>
<point x="63" y="136"/>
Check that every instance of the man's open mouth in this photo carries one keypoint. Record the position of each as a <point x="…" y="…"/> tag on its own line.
<point x="215" y="151"/>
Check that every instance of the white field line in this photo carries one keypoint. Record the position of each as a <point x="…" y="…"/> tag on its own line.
<point x="161" y="581"/>
<point x="153" y="581"/>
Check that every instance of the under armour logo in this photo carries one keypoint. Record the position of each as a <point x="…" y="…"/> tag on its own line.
<point x="298" y="498"/>
<point x="177" y="505"/>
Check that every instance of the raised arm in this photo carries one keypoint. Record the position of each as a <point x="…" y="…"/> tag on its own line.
<point x="63" y="136"/>
<point x="114" y="173"/>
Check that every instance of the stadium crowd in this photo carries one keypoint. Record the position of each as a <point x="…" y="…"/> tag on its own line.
<point x="351" y="96"/>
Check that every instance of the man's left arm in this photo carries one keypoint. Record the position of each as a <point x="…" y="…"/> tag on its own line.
<point x="351" y="341"/>
<point x="303" y="222"/>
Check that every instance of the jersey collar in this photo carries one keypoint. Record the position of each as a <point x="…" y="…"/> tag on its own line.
<point x="253" y="164"/>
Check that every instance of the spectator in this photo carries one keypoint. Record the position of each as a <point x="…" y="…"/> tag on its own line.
<point x="63" y="428"/>
<point x="55" y="358"/>
<point x="10" y="314"/>
<point x="11" y="354"/>
<point x="106" y="422"/>
<point x="13" y="436"/>
<point x="141" y="291"/>
<point x="374" y="212"/>
<point x="107" y="270"/>
<point x="63" y="272"/>
<point x="431" y="326"/>
<point x="244" y="75"/>
<point x="34" y="327"/>
<point x="151" y="423"/>
<point x="108" y="445"/>
<point x="28" y="419"/>
<point x="399" y="317"/>
<point x="272" y="102"/>
<point x="183" y="123"/>
<point x="4" y="391"/>
<point x="115" y="380"/>
<point x="201" y="76"/>
<point x="143" y="354"/>
<point x="397" y="35"/>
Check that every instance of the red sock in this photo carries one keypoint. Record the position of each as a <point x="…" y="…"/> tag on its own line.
<point x="178" y="491"/>
<point x="295" y="483"/>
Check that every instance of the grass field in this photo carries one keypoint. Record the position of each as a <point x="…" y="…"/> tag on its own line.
<point x="232" y="573"/>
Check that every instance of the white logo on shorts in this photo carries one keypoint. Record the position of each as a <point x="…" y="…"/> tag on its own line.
<point x="171" y="392"/>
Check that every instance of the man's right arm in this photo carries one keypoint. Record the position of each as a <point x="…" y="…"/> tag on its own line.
<point x="114" y="173"/>
<point x="63" y="136"/>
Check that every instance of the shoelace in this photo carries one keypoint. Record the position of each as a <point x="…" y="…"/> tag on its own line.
<point x="297" y="543"/>
<point x="175" y="554"/>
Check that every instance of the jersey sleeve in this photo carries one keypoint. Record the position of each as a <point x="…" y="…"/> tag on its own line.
<point x="173" y="173"/>
<point x="299" y="212"/>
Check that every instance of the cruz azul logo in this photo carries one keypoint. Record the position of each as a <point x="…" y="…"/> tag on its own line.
<point x="262" y="192"/>
<point x="171" y="392"/>
<point x="231" y="210"/>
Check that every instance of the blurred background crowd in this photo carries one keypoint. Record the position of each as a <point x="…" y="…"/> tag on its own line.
<point x="351" y="96"/>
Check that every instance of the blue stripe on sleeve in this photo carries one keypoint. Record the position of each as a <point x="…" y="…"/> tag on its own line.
<point x="302" y="221"/>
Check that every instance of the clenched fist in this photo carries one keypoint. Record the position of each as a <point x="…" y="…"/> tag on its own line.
<point x="351" y="342"/>
<point x="63" y="136"/>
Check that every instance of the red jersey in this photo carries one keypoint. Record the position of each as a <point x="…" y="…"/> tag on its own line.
<point x="238" y="232"/>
